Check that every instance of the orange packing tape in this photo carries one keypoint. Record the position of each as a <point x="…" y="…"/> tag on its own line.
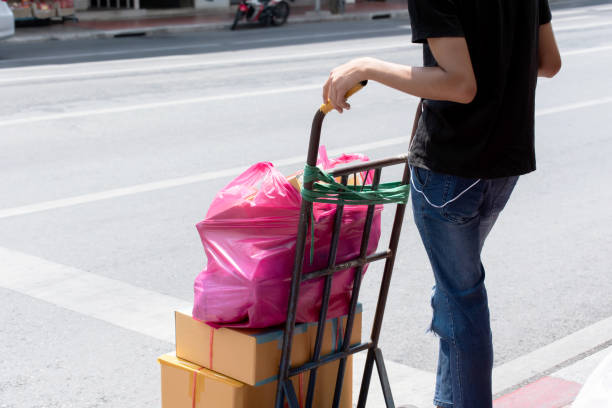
<point x="195" y="373"/>
<point x="195" y="387"/>
<point x="210" y="347"/>
<point x="301" y="391"/>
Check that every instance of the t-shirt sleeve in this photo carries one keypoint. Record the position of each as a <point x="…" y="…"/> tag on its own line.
<point x="434" y="19"/>
<point x="544" y="12"/>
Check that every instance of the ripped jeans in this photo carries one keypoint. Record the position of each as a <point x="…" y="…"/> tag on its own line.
<point x="453" y="237"/>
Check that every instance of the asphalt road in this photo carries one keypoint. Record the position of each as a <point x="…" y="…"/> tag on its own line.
<point x="82" y="118"/>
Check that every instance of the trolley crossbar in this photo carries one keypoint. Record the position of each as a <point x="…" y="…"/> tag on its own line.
<point x="347" y="265"/>
<point x="329" y="358"/>
<point x="369" y="165"/>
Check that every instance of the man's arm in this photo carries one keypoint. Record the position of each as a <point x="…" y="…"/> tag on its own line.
<point x="549" y="59"/>
<point x="452" y="80"/>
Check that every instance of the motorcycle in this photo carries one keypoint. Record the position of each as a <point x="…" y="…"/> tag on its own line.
<point x="266" y="12"/>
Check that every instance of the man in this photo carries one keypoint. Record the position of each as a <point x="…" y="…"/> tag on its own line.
<point x="474" y="138"/>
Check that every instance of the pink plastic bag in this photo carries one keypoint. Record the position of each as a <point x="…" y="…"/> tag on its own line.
<point x="249" y="236"/>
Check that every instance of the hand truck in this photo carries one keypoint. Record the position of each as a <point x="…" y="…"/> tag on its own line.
<point x="285" y="390"/>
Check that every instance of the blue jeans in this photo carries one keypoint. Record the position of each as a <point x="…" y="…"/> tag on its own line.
<point x="453" y="237"/>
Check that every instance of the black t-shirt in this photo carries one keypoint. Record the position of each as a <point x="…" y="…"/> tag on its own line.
<point x="493" y="136"/>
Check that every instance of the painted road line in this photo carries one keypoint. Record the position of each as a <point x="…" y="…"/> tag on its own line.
<point x="580" y="10"/>
<point x="197" y="46"/>
<point x="603" y="8"/>
<point x="153" y="64"/>
<point x="111" y="53"/>
<point x="150" y="313"/>
<point x="109" y="300"/>
<point x="571" y="18"/>
<point x="568" y="12"/>
<point x="180" y="181"/>
<point x="196" y="178"/>
<point x="574" y="106"/>
<point x="583" y="51"/>
<point x="547" y="392"/>
<point x="156" y="105"/>
<point x="558" y="389"/>
<point x="216" y="45"/>
<point x="408" y="385"/>
<point x="508" y="375"/>
<point x="581" y="370"/>
<point x="140" y="310"/>
<point x="583" y="26"/>
<point x="597" y="390"/>
<point x="323" y="35"/>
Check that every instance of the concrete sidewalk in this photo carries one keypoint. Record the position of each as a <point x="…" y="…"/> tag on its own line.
<point x="105" y="24"/>
<point x="549" y="377"/>
<point x="557" y="389"/>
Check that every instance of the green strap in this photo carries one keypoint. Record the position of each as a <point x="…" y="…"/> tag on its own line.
<point x="327" y="190"/>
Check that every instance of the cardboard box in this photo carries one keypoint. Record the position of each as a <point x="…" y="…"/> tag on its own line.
<point x="182" y="382"/>
<point x="296" y="180"/>
<point x="187" y="385"/>
<point x="264" y="396"/>
<point x="252" y="356"/>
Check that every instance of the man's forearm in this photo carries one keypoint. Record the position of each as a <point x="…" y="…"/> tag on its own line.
<point x="549" y="59"/>
<point x="423" y="82"/>
<point x="452" y="80"/>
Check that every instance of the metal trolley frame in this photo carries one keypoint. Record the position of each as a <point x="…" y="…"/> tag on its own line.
<point x="285" y="390"/>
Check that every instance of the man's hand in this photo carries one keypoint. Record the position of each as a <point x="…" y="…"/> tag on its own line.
<point x="341" y="80"/>
<point x="453" y="80"/>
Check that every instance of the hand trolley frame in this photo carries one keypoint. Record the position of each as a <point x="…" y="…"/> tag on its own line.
<point x="285" y="390"/>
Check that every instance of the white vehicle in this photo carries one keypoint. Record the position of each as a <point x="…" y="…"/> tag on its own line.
<point x="7" y="21"/>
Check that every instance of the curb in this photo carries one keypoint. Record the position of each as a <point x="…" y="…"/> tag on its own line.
<point x="310" y="17"/>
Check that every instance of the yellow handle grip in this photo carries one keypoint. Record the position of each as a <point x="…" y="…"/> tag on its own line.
<point x="328" y="107"/>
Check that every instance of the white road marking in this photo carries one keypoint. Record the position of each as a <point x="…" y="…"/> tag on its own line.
<point x="154" y="64"/>
<point x="408" y="385"/>
<point x="583" y="51"/>
<point x="579" y="10"/>
<point x="568" y="12"/>
<point x="175" y="182"/>
<point x="29" y="119"/>
<point x="574" y="106"/>
<point x="198" y="46"/>
<point x="196" y="178"/>
<point x="155" y="105"/>
<point x="110" y="53"/>
<point x="580" y="370"/>
<point x="109" y="300"/>
<point x="582" y="26"/>
<point x="322" y="35"/>
<point x="146" y="312"/>
<point x="128" y="108"/>
<point x="571" y="18"/>
<point x="514" y="372"/>
<point x="150" y="313"/>
<point x="603" y="8"/>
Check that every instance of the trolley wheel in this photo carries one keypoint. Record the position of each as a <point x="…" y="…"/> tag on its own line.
<point x="280" y="13"/>
<point x="237" y="18"/>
